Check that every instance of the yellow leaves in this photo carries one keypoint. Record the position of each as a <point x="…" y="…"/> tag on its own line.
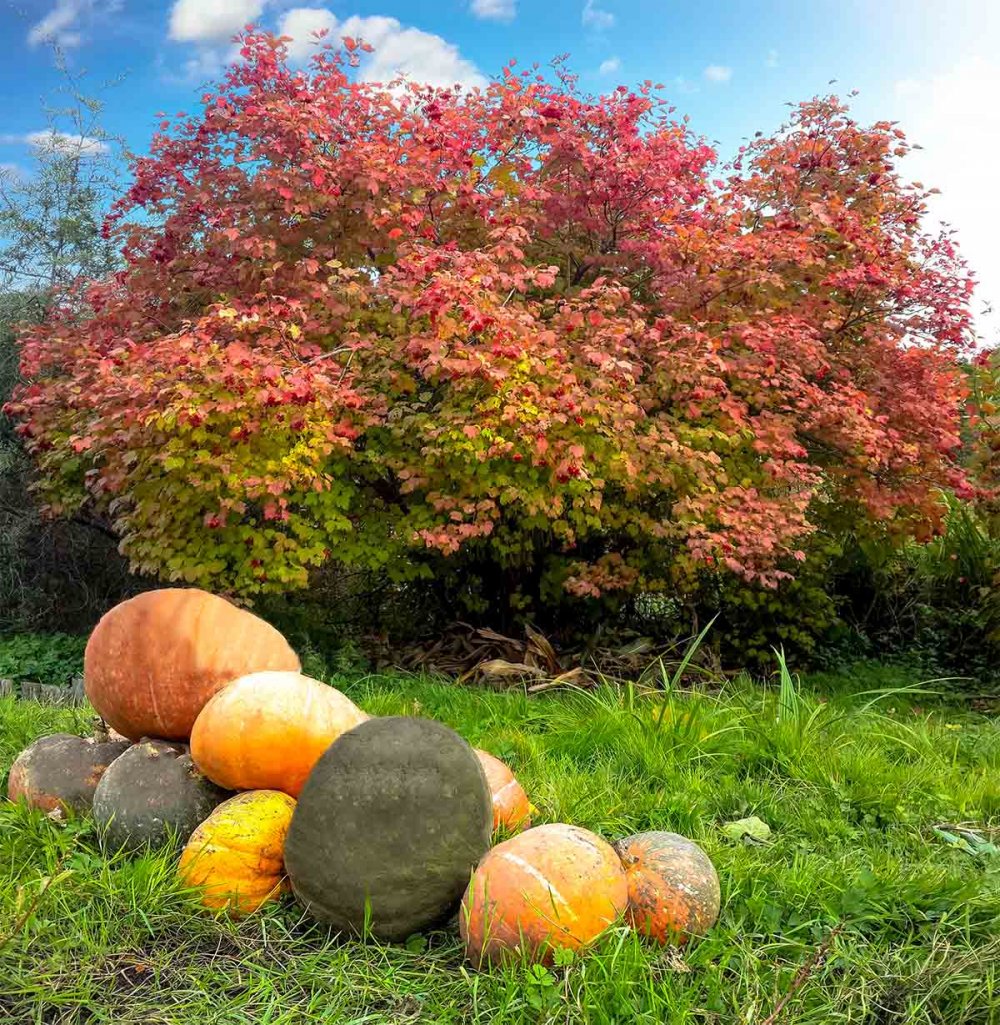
<point x="502" y="176"/>
<point x="448" y="328"/>
<point x="295" y="331"/>
<point x="238" y="320"/>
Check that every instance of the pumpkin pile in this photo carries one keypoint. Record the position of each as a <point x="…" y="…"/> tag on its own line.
<point x="275" y="782"/>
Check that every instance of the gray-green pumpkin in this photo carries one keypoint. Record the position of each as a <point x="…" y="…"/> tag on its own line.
<point x="151" y="794"/>
<point x="395" y="816"/>
<point x="61" y="772"/>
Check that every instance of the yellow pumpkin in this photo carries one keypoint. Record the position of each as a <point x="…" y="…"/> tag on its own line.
<point x="236" y="856"/>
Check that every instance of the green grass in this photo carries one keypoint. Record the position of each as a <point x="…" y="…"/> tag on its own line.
<point x="852" y="788"/>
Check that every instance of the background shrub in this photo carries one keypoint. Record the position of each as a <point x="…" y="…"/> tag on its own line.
<point x="481" y="399"/>
<point x="46" y="658"/>
<point x="529" y="351"/>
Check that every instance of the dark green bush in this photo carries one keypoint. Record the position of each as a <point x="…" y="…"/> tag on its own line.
<point x="936" y="604"/>
<point x="45" y="658"/>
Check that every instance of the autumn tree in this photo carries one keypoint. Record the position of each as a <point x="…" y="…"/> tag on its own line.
<point x="534" y="343"/>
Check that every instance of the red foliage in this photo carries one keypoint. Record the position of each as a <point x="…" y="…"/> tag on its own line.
<point x="371" y="324"/>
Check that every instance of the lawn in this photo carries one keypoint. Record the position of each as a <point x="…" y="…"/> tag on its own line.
<point x="861" y="791"/>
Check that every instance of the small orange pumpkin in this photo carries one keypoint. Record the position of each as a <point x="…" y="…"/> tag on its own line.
<point x="551" y="887"/>
<point x="153" y="661"/>
<point x="511" y="809"/>
<point x="236" y="856"/>
<point x="266" y="731"/>
<point x="673" y="888"/>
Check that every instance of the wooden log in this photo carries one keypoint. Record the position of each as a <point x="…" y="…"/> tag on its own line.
<point x="77" y="695"/>
<point x="30" y="690"/>
<point x="72" y="696"/>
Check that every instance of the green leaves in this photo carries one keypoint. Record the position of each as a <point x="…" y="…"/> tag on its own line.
<point x="50" y="658"/>
<point x="968" y="841"/>
<point x="750" y="830"/>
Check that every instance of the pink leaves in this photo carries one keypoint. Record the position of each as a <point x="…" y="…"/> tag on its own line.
<point x="406" y="318"/>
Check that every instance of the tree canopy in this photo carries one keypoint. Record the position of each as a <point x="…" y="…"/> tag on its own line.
<point x="391" y="326"/>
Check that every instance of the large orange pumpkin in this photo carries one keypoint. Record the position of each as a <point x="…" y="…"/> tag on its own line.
<point x="551" y="887"/>
<point x="511" y="809"/>
<point x="266" y="731"/>
<point x="153" y="661"/>
<point x="236" y="856"/>
<point x="673" y="888"/>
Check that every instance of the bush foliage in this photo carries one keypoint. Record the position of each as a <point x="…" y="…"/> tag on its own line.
<point x="46" y="658"/>
<point x="532" y="345"/>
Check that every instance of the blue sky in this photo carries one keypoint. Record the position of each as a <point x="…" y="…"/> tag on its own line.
<point x="730" y="65"/>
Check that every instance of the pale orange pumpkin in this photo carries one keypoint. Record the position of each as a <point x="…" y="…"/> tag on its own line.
<point x="511" y="809"/>
<point x="236" y="856"/>
<point x="266" y="731"/>
<point x="554" y="887"/>
<point x="153" y="661"/>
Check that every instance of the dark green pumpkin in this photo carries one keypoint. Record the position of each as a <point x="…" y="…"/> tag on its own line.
<point x="61" y="772"/>
<point x="395" y="815"/>
<point x="151" y="794"/>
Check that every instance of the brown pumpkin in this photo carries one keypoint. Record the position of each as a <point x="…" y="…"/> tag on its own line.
<point x="61" y="772"/>
<point x="266" y="731"/>
<point x="511" y="810"/>
<point x="552" y="887"/>
<point x="236" y="856"/>
<point x="673" y="888"/>
<point x="153" y="661"/>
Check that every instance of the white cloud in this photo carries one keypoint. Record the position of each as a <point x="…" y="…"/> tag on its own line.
<point x="399" y="49"/>
<point x="684" y="85"/>
<point x="419" y="55"/>
<point x="494" y="10"/>
<point x="206" y="64"/>
<point x="211" y="20"/>
<point x="300" y="23"/>
<point x="610" y="66"/>
<point x="771" y="60"/>
<point x="954" y="116"/>
<point x="61" y="26"/>
<point x="595" y="18"/>
<point x="49" y="141"/>
<point x="211" y="25"/>
<point x="718" y="73"/>
<point x="58" y="26"/>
